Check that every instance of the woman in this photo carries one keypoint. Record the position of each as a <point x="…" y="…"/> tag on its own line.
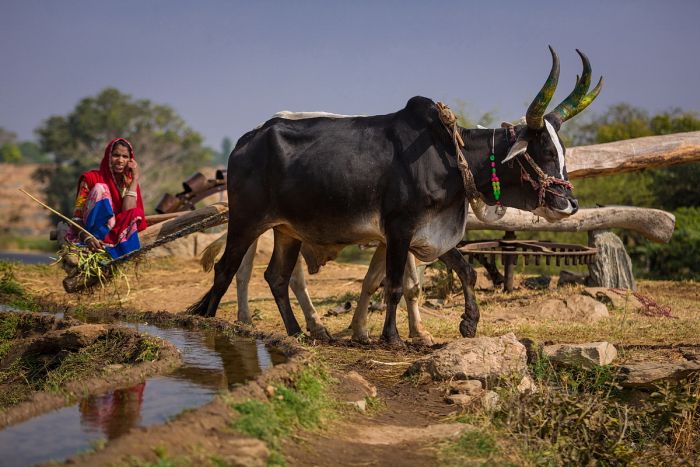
<point x="109" y="203"/>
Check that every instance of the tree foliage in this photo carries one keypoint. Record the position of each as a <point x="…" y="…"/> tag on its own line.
<point x="166" y="148"/>
<point x="674" y="189"/>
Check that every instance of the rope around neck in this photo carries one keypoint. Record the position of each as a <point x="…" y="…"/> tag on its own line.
<point x="449" y="120"/>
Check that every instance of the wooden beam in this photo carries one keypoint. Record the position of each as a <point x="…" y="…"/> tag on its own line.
<point x="653" y="224"/>
<point x="630" y="155"/>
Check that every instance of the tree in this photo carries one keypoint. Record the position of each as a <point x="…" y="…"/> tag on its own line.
<point x="226" y="148"/>
<point x="165" y="147"/>
<point x="673" y="189"/>
<point x="10" y="153"/>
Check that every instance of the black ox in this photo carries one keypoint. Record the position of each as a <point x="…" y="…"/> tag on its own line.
<point x="394" y="178"/>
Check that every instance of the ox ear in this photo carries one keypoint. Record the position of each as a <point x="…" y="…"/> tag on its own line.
<point x="518" y="148"/>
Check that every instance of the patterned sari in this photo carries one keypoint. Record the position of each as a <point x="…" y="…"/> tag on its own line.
<point x="98" y="205"/>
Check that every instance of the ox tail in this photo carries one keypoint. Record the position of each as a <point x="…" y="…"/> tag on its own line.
<point x="200" y="307"/>
<point x="211" y="253"/>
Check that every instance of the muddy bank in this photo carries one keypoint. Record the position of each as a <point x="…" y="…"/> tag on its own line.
<point x="205" y="429"/>
<point x="44" y="338"/>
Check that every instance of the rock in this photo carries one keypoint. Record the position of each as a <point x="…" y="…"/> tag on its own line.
<point x="582" y="355"/>
<point x="612" y="266"/>
<point x="360" y="405"/>
<point x="486" y="359"/>
<point x="462" y="400"/>
<point x="585" y="309"/>
<point x="340" y="309"/>
<point x="650" y="374"/>
<point x="526" y="385"/>
<point x="483" y="282"/>
<point x="490" y="401"/>
<point x="470" y="386"/>
<point x="537" y="283"/>
<point x="621" y="301"/>
<point x="270" y="390"/>
<point x="571" y="278"/>
<point x="246" y="452"/>
<point x="577" y="308"/>
<point x="353" y="389"/>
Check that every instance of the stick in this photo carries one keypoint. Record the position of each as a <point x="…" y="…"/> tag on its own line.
<point x="58" y="213"/>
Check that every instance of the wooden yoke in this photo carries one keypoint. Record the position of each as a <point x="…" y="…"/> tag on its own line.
<point x="654" y="224"/>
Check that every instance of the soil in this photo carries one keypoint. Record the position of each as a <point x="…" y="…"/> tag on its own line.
<point x="412" y="420"/>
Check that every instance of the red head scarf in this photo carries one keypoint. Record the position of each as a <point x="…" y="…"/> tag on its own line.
<point x="105" y="175"/>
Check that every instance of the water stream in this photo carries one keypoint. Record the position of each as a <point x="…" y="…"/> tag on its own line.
<point x="211" y="362"/>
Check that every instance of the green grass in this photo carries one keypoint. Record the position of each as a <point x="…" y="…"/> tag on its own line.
<point x="51" y="373"/>
<point x="474" y="447"/>
<point x="303" y="405"/>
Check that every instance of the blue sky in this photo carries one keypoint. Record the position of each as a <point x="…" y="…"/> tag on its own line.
<point x="226" y="66"/>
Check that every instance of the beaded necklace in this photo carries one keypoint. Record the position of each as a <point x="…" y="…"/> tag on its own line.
<point x="495" y="182"/>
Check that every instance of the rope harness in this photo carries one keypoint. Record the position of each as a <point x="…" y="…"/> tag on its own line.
<point x="449" y="120"/>
<point x="544" y="182"/>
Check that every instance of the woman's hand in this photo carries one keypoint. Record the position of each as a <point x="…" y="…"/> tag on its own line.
<point x="94" y="244"/>
<point x="135" y="170"/>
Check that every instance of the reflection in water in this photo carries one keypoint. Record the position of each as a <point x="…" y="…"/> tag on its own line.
<point x="113" y="413"/>
<point x="211" y="362"/>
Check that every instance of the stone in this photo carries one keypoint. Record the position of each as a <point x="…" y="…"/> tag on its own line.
<point x="577" y="308"/>
<point x="581" y="355"/>
<point x="487" y="359"/>
<point x="462" y="400"/>
<point x="585" y="309"/>
<point x="571" y="278"/>
<point x="537" y="283"/>
<point x="624" y="300"/>
<point x="527" y="385"/>
<point x="490" y="401"/>
<point x="649" y="374"/>
<point x="353" y="389"/>
<point x="612" y="266"/>
<point x="470" y="386"/>
<point x="483" y="282"/>
<point x="360" y="405"/>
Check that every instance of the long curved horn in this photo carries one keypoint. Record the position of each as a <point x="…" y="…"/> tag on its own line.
<point x="573" y="102"/>
<point x="535" y="112"/>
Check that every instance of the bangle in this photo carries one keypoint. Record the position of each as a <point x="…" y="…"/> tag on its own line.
<point x="130" y="193"/>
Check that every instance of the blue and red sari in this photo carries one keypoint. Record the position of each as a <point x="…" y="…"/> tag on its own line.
<point x="98" y="206"/>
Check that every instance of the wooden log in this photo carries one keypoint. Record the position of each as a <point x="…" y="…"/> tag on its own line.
<point x="633" y="154"/>
<point x="157" y="231"/>
<point x="154" y="219"/>
<point x="653" y="224"/>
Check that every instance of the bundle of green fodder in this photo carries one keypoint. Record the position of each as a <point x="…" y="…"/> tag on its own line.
<point x="88" y="270"/>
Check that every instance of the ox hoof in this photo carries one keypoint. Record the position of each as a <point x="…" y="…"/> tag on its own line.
<point x="321" y="334"/>
<point x="393" y="342"/>
<point x="423" y="338"/>
<point x="361" y="339"/>
<point x="467" y="328"/>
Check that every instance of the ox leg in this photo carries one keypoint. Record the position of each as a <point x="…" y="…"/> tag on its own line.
<point x="412" y="293"/>
<point x="242" y="282"/>
<point x="278" y="274"/>
<point x="313" y="320"/>
<point x="370" y="284"/>
<point x="454" y="259"/>
<point x="237" y="243"/>
<point x="396" y="254"/>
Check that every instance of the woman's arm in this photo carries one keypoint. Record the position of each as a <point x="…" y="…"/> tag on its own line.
<point x="129" y="200"/>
